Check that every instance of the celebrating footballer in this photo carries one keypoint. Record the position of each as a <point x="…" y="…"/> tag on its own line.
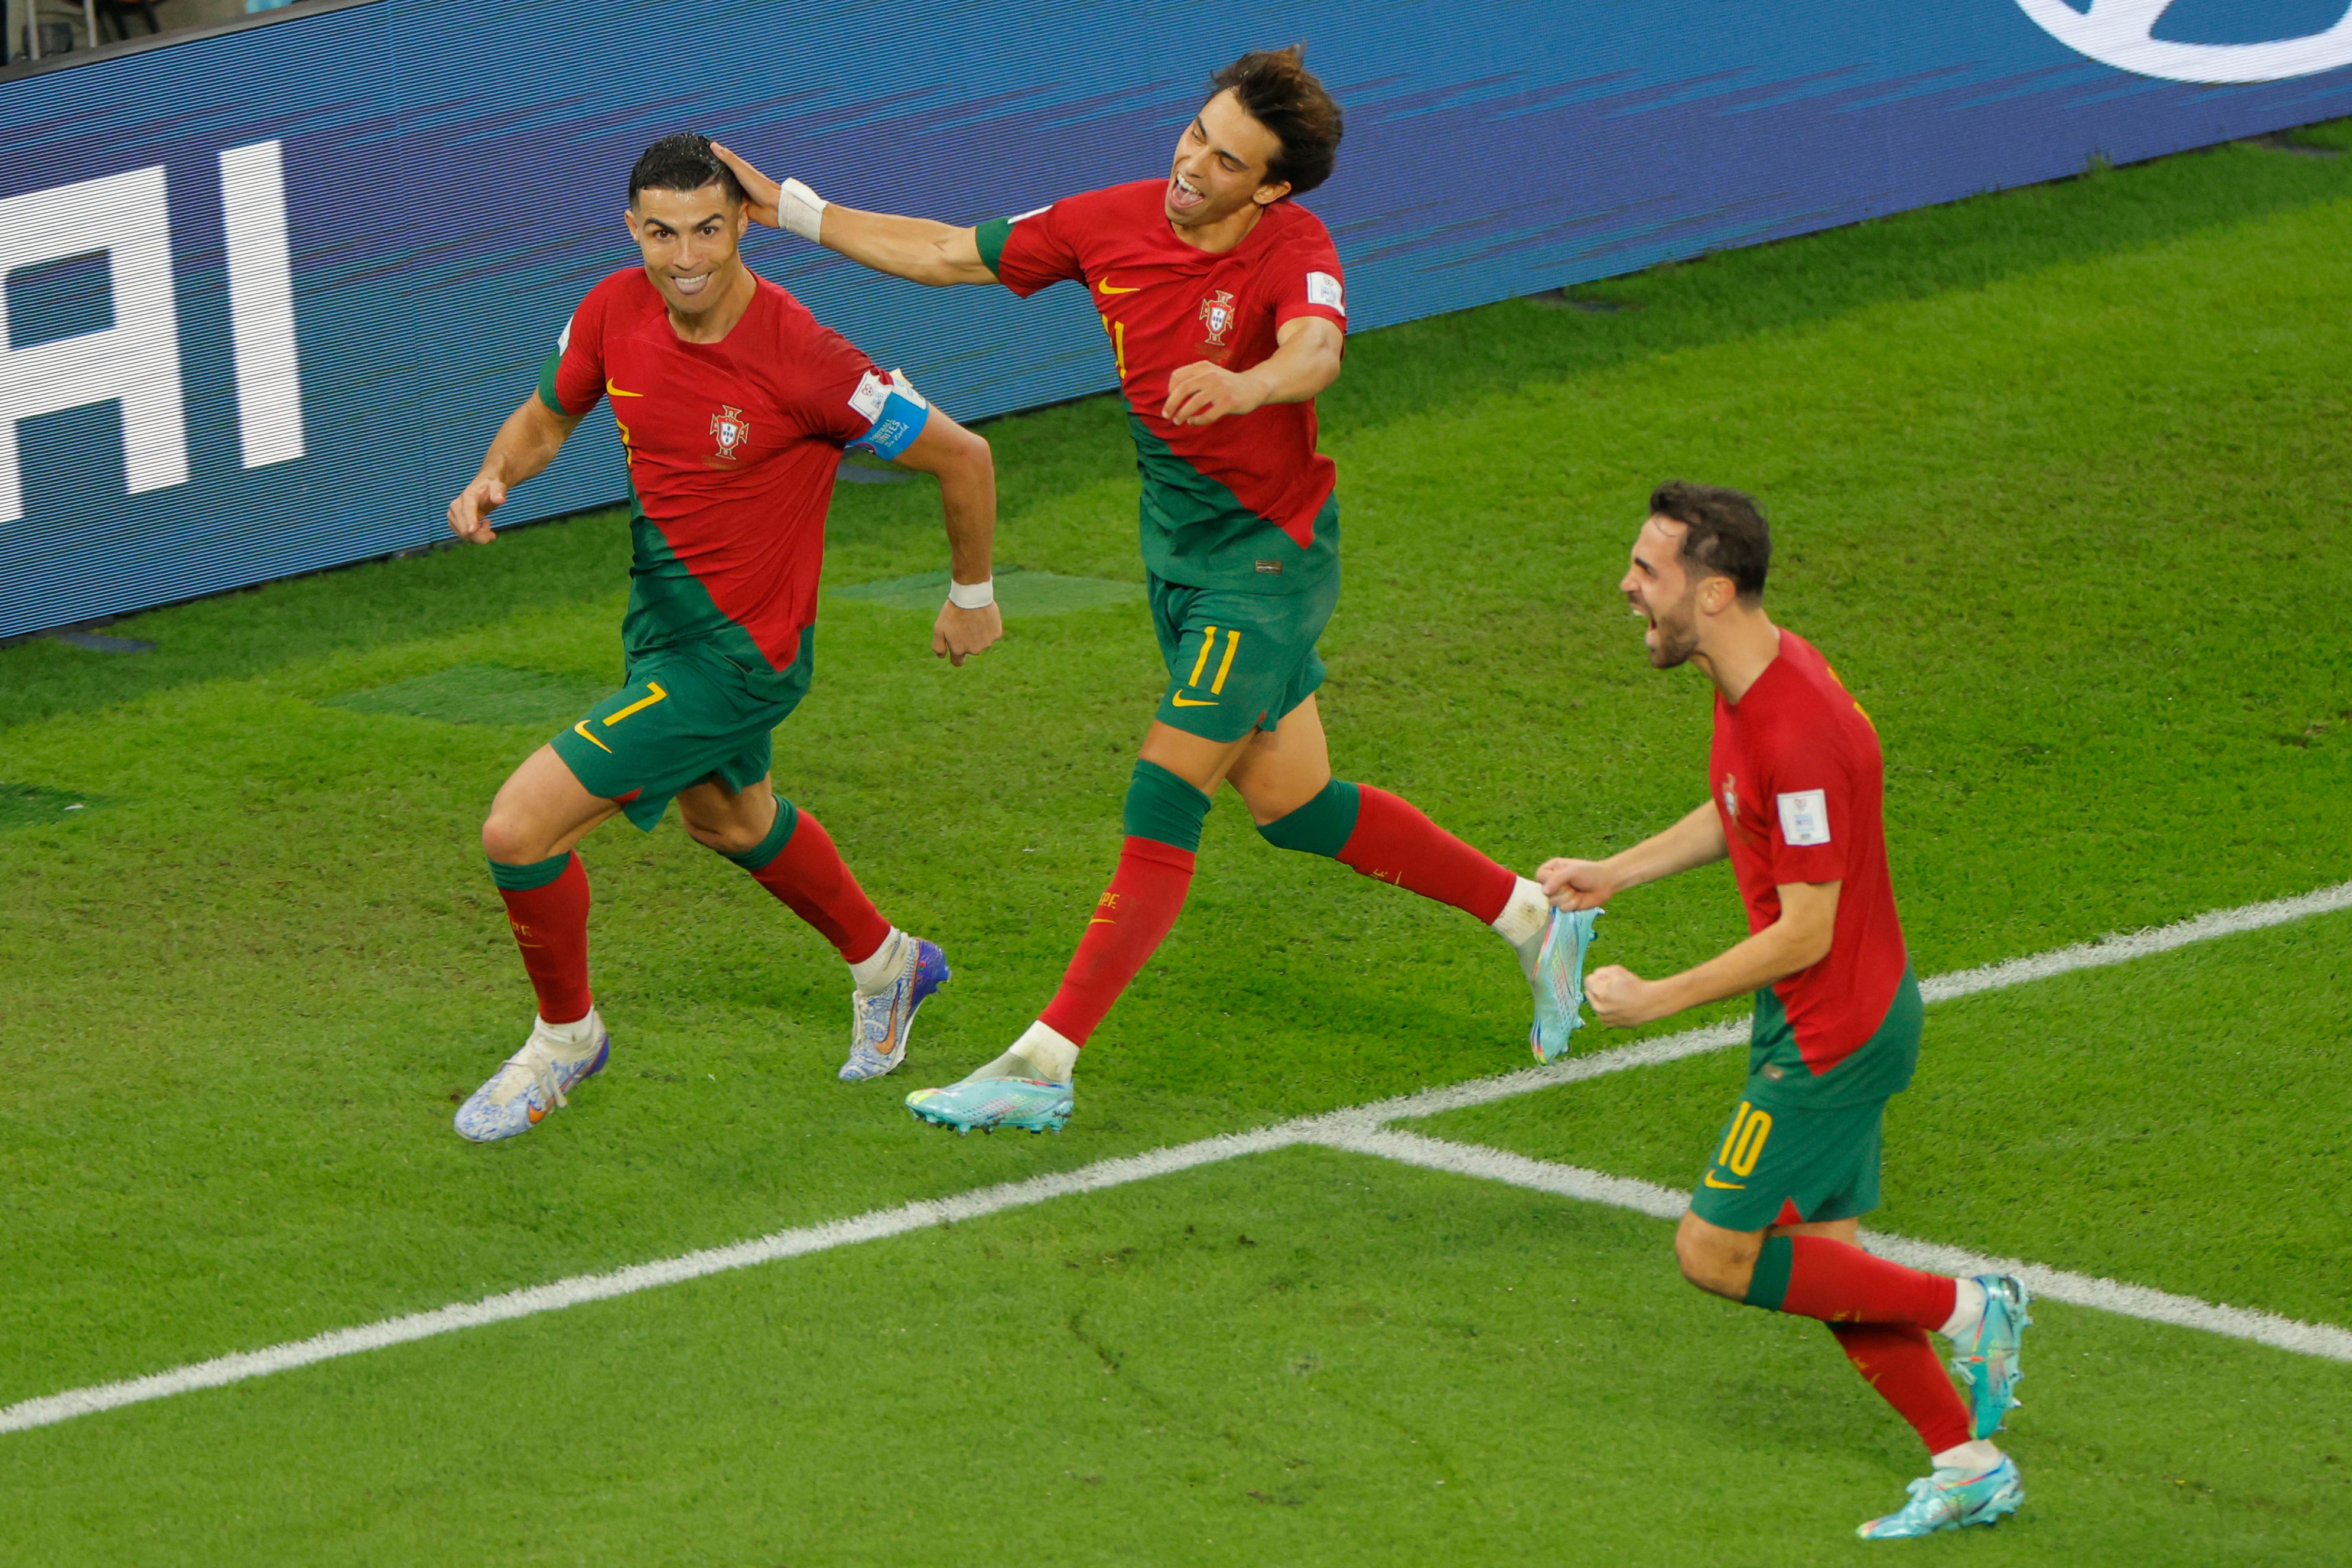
<point x="734" y="408"/>
<point x="1223" y="311"/>
<point x="1796" y="785"/>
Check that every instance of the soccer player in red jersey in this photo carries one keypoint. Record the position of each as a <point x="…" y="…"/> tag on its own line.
<point x="1796" y="791"/>
<point x="1223" y="308"/>
<point x="734" y="408"/>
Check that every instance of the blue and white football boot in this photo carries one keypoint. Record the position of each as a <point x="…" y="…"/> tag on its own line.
<point x="1990" y="1362"/>
<point x="535" y="1079"/>
<point x="879" y="1024"/>
<point x="1949" y="1500"/>
<point x="1557" y="980"/>
<point x="1031" y="1104"/>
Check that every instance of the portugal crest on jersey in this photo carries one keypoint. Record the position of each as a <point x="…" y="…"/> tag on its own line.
<point x="731" y="429"/>
<point x="1217" y="315"/>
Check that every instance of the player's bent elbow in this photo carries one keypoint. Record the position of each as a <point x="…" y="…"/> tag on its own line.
<point x="969" y="455"/>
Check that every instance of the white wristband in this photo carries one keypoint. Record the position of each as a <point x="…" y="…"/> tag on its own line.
<point x="799" y="209"/>
<point x="971" y="595"/>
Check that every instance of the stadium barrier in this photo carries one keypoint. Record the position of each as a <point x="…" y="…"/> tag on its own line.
<point x="268" y="291"/>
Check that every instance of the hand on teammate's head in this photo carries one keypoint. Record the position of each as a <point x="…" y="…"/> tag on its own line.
<point x="759" y="192"/>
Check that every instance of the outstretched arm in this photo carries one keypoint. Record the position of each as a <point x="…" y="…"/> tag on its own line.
<point x="911" y="247"/>
<point x="1306" y="362"/>
<point x="966" y="470"/>
<point x="523" y="446"/>
<point x="1696" y="840"/>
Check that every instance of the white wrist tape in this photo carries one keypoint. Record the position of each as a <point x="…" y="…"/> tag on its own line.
<point x="971" y="595"/>
<point x="800" y="209"/>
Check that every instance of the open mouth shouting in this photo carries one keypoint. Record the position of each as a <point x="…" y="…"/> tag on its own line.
<point x="689" y="284"/>
<point x="1182" y="195"/>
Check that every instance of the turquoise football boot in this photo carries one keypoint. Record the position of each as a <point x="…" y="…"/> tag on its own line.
<point x="1989" y="1362"/>
<point x="1948" y="1501"/>
<point x="988" y="1103"/>
<point x="1557" y="980"/>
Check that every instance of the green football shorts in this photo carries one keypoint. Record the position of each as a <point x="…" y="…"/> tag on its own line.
<point x="686" y="714"/>
<point x="1238" y="662"/>
<point x="1776" y="1166"/>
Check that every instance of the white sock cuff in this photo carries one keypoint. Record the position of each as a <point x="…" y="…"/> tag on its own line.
<point x="1967" y="1308"/>
<point x="1054" y="1056"/>
<point x="1971" y="1458"/>
<point x="1525" y="916"/>
<point x="878" y="968"/>
<point x="582" y="1028"/>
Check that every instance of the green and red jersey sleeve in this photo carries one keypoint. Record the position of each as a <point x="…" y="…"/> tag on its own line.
<point x="572" y="379"/>
<point x="1033" y="250"/>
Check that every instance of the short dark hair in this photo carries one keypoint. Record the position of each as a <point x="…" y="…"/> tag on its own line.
<point x="682" y="163"/>
<point x="1724" y="532"/>
<point x="1285" y="97"/>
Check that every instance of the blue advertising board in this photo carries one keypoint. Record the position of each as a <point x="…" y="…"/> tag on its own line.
<point x="268" y="292"/>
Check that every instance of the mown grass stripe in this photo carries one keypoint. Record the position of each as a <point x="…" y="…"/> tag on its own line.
<point x="1359" y="1129"/>
<point x="2322" y="1340"/>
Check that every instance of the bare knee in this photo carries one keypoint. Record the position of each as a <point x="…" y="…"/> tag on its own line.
<point x="1718" y="1261"/>
<point x="509" y="840"/>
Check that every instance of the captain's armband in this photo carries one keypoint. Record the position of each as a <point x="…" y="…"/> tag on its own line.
<point x="898" y="411"/>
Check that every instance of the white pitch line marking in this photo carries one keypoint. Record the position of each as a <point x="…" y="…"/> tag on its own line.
<point x="581" y="1289"/>
<point x="2322" y="1340"/>
<point x="1328" y="1128"/>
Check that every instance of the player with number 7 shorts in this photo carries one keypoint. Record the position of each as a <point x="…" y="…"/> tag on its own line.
<point x="734" y="408"/>
<point x="1223" y="312"/>
<point x="1796" y="788"/>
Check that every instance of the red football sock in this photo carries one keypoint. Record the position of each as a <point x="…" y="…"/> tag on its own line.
<point x="1394" y="842"/>
<point x="550" y="927"/>
<point x="1130" y="921"/>
<point x="1896" y="1360"/>
<point x="1842" y="1284"/>
<point x="810" y="876"/>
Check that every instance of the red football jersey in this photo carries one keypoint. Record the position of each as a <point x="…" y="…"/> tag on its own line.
<point x="1799" y="787"/>
<point x="1241" y="503"/>
<point x="732" y="447"/>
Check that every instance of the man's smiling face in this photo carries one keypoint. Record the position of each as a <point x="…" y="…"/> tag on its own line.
<point x="1664" y="592"/>
<point x="1221" y="165"/>
<point x="688" y="239"/>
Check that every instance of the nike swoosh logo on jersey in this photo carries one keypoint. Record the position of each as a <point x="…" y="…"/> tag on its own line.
<point x="1109" y="288"/>
<point x="580" y="729"/>
<point x="1184" y="701"/>
<point x="612" y="391"/>
<point x="1734" y="1186"/>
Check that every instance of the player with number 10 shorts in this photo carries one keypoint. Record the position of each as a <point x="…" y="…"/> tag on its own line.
<point x="1796" y="788"/>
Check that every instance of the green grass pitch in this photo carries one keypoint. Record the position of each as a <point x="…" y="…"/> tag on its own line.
<point x="2057" y="479"/>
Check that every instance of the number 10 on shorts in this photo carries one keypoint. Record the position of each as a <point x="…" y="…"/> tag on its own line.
<point x="1743" y="1145"/>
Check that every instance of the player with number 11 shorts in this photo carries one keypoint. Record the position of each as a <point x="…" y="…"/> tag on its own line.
<point x="1224" y="310"/>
